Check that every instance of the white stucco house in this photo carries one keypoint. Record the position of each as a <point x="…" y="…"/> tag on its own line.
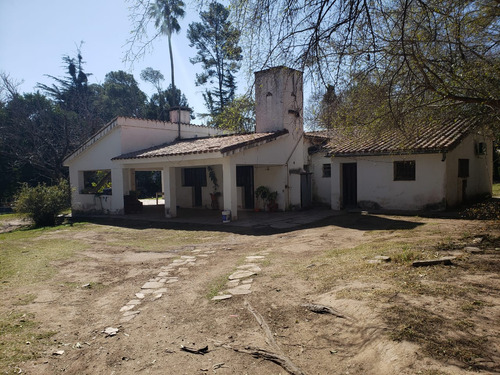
<point x="430" y="166"/>
<point x="438" y="167"/>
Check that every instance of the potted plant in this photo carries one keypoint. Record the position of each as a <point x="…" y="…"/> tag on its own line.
<point x="214" y="196"/>
<point x="262" y="193"/>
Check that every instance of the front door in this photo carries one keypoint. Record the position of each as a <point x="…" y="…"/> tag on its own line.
<point x="349" y="185"/>
<point x="244" y="179"/>
<point x="305" y="190"/>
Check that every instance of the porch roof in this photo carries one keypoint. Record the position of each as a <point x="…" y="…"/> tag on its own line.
<point x="422" y="138"/>
<point x="223" y="144"/>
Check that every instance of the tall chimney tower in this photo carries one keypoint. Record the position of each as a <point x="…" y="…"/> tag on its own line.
<point x="279" y="100"/>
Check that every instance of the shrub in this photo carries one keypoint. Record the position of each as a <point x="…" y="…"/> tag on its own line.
<point x="43" y="203"/>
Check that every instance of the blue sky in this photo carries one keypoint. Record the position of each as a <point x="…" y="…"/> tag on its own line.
<point x="36" y="34"/>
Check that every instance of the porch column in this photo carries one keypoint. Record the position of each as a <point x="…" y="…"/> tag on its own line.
<point x="117" y="182"/>
<point x="168" y="183"/>
<point x="229" y="189"/>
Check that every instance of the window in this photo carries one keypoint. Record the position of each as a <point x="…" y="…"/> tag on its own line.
<point x="404" y="170"/>
<point x="463" y="168"/>
<point x="194" y="177"/>
<point x="97" y="182"/>
<point x="327" y="170"/>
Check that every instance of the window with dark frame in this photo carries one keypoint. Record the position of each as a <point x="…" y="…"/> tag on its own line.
<point x="327" y="170"/>
<point x="404" y="170"/>
<point x="463" y="168"/>
<point x="194" y="177"/>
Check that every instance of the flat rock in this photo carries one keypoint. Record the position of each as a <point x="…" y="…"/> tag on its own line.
<point x="148" y="291"/>
<point x="241" y="274"/>
<point x="250" y="267"/>
<point x="242" y="289"/>
<point x="157" y="296"/>
<point x="127" y="307"/>
<point x="110" y="331"/>
<point x="163" y="274"/>
<point x="161" y="290"/>
<point x="140" y="295"/>
<point x="233" y="283"/>
<point x="222" y="297"/>
<point x="152" y="285"/>
<point x="172" y="280"/>
<point x="247" y="281"/>
<point x="134" y="302"/>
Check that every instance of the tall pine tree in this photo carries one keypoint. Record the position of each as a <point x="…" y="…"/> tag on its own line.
<point x="216" y="41"/>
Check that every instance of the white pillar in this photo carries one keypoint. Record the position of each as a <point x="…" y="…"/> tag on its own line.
<point x="117" y="205"/>
<point x="168" y="183"/>
<point x="229" y="189"/>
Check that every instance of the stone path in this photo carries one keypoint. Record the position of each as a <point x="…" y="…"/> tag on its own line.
<point x="240" y="281"/>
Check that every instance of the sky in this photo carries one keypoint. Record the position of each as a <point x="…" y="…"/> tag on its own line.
<point x="36" y="34"/>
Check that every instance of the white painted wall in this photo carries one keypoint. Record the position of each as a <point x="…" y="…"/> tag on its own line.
<point x="480" y="177"/>
<point x="321" y="186"/>
<point x="376" y="182"/>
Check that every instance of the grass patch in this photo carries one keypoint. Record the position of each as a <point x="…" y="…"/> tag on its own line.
<point x="24" y="299"/>
<point x="216" y="286"/>
<point x="20" y="340"/>
<point x="26" y="255"/>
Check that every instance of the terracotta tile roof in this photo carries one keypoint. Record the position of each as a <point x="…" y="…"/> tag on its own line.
<point x="424" y="138"/>
<point x="222" y="144"/>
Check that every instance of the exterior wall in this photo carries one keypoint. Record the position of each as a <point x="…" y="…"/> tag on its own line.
<point x="97" y="157"/>
<point x="479" y="182"/>
<point x="321" y="186"/>
<point x="376" y="186"/>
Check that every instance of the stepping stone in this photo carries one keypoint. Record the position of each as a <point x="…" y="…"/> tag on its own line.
<point x="242" y="289"/>
<point x="134" y="302"/>
<point x="127" y="308"/>
<point x="157" y="296"/>
<point x="161" y="290"/>
<point x="382" y="258"/>
<point x="172" y="280"/>
<point x="250" y="267"/>
<point x="140" y="295"/>
<point x="163" y="280"/>
<point x="247" y="281"/>
<point x="241" y="274"/>
<point x="203" y="255"/>
<point x="178" y="262"/>
<point x="222" y="297"/>
<point x="148" y="291"/>
<point x="210" y="252"/>
<point x="255" y="257"/>
<point x="183" y="270"/>
<point x="233" y="283"/>
<point x="163" y="274"/>
<point x="188" y="257"/>
<point x="152" y="285"/>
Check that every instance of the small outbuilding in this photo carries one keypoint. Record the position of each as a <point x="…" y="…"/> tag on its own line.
<point x="429" y="166"/>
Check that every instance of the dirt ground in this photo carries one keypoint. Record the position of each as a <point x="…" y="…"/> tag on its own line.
<point x="388" y="317"/>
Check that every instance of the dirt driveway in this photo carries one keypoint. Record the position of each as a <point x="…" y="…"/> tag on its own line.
<point x="305" y="300"/>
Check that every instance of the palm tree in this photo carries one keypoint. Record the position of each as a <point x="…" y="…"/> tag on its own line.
<point x="165" y="14"/>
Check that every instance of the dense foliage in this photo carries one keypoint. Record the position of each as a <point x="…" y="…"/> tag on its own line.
<point x="39" y="130"/>
<point x="43" y="203"/>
